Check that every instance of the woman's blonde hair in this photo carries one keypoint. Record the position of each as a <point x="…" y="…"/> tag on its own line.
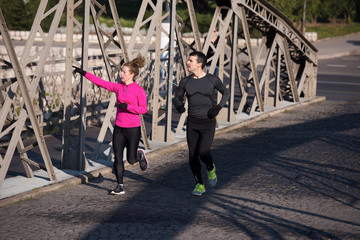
<point x="135" y="65"/>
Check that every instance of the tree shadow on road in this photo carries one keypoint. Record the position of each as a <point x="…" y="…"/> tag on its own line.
<point x="357" y="43"/>
<point x="268" y="178"/>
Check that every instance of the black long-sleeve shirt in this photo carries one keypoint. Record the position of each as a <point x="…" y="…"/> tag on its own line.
<point x="200" y="94"/>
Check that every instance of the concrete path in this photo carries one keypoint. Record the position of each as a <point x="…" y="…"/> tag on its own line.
<point x="339" y="46"/>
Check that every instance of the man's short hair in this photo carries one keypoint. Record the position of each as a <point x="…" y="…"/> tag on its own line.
<point x="201" y="58"/>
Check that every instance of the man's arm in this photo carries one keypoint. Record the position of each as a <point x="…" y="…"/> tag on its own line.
<point x="178" y="101"/>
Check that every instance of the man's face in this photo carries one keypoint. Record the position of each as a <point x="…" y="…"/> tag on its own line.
<point x="193" y="64"/>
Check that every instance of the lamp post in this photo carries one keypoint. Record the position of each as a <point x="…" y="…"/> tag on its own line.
<point x="303" y="18"/>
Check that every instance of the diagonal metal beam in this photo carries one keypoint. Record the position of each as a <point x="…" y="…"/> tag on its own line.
<point x="270" y="19"/>
<point x="284" y="47"/>
<point x="23" y="114"/>
<point x="240" y="12"/>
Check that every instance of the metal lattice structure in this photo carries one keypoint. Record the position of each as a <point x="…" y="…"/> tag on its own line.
<point x="283" y="67"/>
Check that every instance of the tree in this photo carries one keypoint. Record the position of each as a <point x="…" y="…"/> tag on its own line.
<point x="201" y="6"/>
<point x="292" y="9"/>
<point x="312" y="10"/>
<point x="15" y="14"/>
<point x="348" y="9"/>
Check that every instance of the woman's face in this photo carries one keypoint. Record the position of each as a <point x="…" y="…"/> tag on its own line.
<point x="126" y="76"/>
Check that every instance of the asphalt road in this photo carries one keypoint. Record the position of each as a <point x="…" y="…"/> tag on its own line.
<point x="295" y="175"/>
<point x="339" y="78"/>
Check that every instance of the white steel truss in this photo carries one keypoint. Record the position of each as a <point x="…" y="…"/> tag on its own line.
<point x="282" y="67"/>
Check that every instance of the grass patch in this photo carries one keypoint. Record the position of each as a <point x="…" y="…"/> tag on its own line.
<point x="287" y="111"/>
<point x="327" y="30"/>
<point x="127" y="22"/>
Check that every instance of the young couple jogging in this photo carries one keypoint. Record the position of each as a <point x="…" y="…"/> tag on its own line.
<point x="199" y="88"/>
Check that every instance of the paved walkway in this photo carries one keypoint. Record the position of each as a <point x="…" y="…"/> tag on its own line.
<point x="338" y="47"/>
<point x="272" y="185"/>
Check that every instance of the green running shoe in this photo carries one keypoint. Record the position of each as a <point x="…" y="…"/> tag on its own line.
<point x="212" y="177"/>
<point x="199" y="189"/>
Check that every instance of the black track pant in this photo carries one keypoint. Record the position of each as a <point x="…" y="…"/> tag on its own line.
<point x="200" y="135"/>
<point x="129" y="138"/>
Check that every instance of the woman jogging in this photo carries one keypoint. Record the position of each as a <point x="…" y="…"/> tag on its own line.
<point x="131" y="102"/>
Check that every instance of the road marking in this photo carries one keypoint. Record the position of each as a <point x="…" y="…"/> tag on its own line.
<point x="329" y="91"/>
<point x="340" y="83"/>
<point x="338" y="66"/>
<point x="351" y="58"/>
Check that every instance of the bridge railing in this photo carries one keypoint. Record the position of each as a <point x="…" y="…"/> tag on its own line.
<point x="282" y="67"/>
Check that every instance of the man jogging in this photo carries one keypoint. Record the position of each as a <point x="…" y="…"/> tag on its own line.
<point x="202" y="110"/>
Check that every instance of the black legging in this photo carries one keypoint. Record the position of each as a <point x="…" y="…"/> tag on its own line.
<point x="199" y="135"/>
<point x="129" y="138"/>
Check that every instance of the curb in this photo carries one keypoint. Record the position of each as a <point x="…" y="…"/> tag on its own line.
<point x="80" y="179"/>
<point x="269" y="114"/>
<point x="338" y="37"/>
<point x="89" y="176"/>
<point x="337" y="55"/>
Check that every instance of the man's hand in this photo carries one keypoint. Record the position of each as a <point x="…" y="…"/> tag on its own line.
<point x="179" y="106"/>
<point x="214" y="111"/>
<point x="181" y="109"/>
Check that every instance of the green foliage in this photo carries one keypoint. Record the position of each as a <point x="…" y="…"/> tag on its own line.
<point x="345" y="9"/>
<point x="292" y="9"/>
<point x="15" y="14"/>
<point x="127" y="10"/>
<point x="333" y="30"/>
<point x="348" y="10"/>
<point x="312" y="10"/>
<point x="20" y="16"/>
<point x="204" y="21"/>
<point x="127" y="22"/>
